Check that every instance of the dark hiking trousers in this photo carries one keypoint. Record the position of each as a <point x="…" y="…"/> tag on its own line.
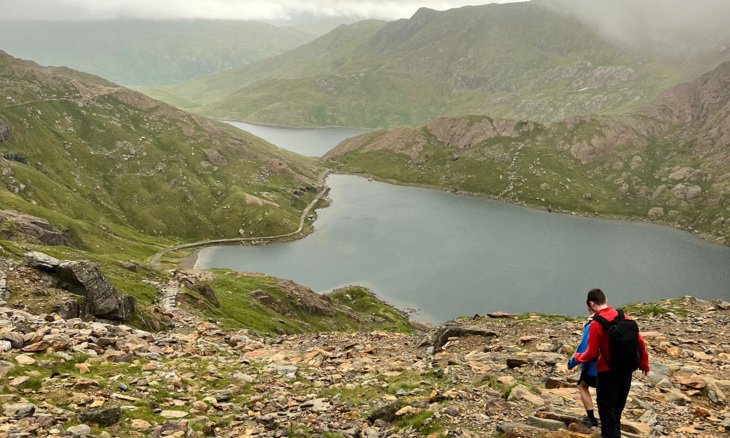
<point x="611" y="392"/>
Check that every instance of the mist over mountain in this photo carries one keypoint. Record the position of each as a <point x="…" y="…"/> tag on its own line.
<point x="145" y="52"/>
<point x="287" y="11"/>
<point x="518" y="60"/>
<point x="670" y="26"/>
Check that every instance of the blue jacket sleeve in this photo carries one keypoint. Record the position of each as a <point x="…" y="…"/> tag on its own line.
<point x="584" y="341"/>
<point x="581" y="347"/>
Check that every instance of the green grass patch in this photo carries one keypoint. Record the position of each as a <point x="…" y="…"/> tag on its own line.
<point x="283" y="307"/>
<point x="423" y="422"/>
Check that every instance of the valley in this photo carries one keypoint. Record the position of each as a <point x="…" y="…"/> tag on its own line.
<point x="182" y="253"/>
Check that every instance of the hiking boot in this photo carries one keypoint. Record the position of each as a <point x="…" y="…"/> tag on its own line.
<point x="588" y="422"/>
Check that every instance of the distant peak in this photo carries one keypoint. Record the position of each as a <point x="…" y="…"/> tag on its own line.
<point x="424" y="12"/>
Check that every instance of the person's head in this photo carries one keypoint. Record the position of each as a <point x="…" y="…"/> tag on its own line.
<point x="596" y="300"/>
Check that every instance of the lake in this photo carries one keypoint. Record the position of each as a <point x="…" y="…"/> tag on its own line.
<point x="449" y="255"/>
<point x="307" y="142"/>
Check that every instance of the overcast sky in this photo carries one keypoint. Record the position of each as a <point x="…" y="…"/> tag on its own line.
<point x="263" y="10"/>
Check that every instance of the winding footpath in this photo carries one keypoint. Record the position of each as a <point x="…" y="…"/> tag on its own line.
<point x="155" y="259"/>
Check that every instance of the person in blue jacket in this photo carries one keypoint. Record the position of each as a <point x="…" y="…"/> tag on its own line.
<point x="588" y="375"/>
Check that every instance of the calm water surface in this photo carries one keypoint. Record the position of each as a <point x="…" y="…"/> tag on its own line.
<point x="307" y="142"/>
<point x="449" y="255"/>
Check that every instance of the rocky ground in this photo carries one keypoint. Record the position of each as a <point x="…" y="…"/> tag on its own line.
<point x="497" y="375"/>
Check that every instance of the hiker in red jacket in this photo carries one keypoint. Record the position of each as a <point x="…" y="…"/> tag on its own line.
<point x="614" y="374"/>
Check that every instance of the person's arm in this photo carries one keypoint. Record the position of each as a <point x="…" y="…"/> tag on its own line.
<point x="594" y="343"/>
<point x="581" y="347"/>
<point x="643" y="356"/>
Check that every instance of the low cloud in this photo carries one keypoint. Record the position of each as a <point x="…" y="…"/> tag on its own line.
<point x="671" y="26"/>
<point x="266" y="10"/>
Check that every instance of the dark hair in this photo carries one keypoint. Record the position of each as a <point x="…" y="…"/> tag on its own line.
<point x="596" y="296"/>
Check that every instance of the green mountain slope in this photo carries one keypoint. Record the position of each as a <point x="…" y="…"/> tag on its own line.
<point x="138" y="52"/>
<point x="326" y="54"/>
<point x="668" y="162"/>
<point x="517" y="60"/>
<point x="108" y="165"/>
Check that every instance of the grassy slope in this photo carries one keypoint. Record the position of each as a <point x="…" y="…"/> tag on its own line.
<point x="148" y="52"/>
<point x="517" y="61"/>
<point x="108" y="156"/>
<point x="325" y="54"/>
<point x="348" y="309"/>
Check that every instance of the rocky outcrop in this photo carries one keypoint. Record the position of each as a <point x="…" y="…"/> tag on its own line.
<point x="465" y="132"/>
<point x="33" y="229"/>
<point x="4" y="130"/>
<point x="204" y="290"/>
<point x="84" y="278"/>
<point x="400" y="140"/>
<point x="100" y="297"/>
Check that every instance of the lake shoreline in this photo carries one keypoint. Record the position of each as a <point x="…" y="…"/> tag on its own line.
<point x="701" y="235"/>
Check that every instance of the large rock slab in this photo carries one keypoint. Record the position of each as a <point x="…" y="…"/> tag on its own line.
<point x="85" y="278"/>
<point x="39" y="260"/>
<point x="105" y="416"/>
<point x="101" y="298"/>
<point x="455" y="331"/>
<point x="31" y="228"/>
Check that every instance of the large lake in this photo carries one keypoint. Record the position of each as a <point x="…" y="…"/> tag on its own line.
<point x="449" y="255"/>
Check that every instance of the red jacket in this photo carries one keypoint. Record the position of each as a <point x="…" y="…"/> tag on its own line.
<point x="598" y="344"/>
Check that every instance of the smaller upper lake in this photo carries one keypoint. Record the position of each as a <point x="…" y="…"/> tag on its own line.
<point x="307" y="142"/>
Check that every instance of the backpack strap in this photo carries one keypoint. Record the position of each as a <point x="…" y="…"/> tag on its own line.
<point x="621" y="316"/>
<point x="601" y="320"/>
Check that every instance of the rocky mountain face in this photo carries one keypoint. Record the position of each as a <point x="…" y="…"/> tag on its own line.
<point x="702" y="107"/>
<point x="482" y="376"/>
<point x="668" y="162"/>
<point x="84" y="149"/>
<point x="514" y="61"/>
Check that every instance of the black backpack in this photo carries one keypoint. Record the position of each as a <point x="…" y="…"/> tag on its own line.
<point x="623" y="335"/>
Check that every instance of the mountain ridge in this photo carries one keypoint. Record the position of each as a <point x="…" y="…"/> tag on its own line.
<point x="667" y="162"/>
<point x="517" y="60"/>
